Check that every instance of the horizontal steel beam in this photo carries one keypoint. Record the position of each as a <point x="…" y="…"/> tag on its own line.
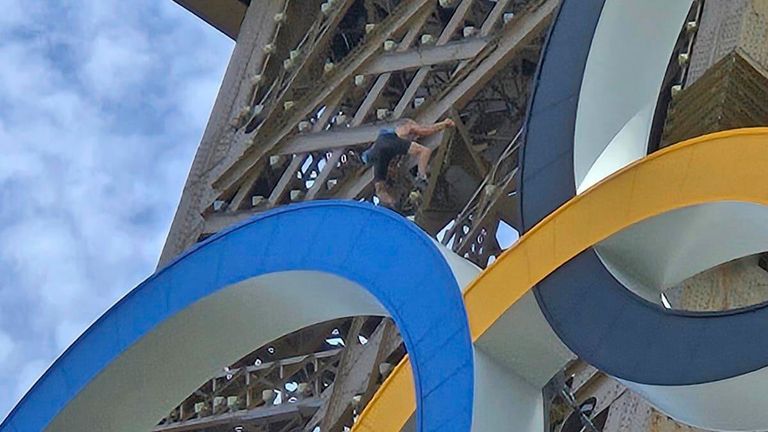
<point x="290" y="361"/>
<point x="335" y="138"/>
<point x="263" y="414"/>
<point x="425" y="56"/>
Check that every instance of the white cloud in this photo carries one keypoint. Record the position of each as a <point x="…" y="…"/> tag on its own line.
<point x="117" y="61"/>
<point x="102" y="105"/>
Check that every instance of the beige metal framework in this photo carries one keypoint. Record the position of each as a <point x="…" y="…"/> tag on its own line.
<point x="308" y="87"/>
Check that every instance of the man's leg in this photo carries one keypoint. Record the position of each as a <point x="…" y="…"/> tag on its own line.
<point x="423" y="154"/>
<point x="383" y="194"/>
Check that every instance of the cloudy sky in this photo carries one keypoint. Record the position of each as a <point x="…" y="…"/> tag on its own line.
<point x="102" y="105"/>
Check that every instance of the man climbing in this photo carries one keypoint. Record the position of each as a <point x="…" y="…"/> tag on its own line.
<point x="400" y="140"/>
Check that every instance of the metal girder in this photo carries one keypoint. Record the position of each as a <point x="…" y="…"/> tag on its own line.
<point x="224" y="15"/>
<point x="333" y="139"/>
<point x="355" y="188"/>
<point x="437" y="166"/>
<point x="337" y="402"/>
<point x="360" y="367"/>
<point x="374" y="94"/>
<point x="330" y="145"/>
<point x="313" y="46"/>
<point x="410" y="92"/>
<point x="305" y="107"/>
<point x="289" y="176"/>
<point x="493" y="17"/>
<point x="322" y="177"/>
<point x="480" y="164"/>
<point x="371" y="99"/>
<point x="478" y="221"/>
<point x="242" y="193"/>
<point x="425" y="56"/>
<point x="518" y="34"/>
<point x="218" y="221"/>
<point x="418" y="80"/>
<point x="273" y="414"/>
<point x="257" y="29"/>
<point x="488" y="25"/>
<point x="242" y="382"/>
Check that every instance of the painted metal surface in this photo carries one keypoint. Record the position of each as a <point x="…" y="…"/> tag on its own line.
<point x="696" y="348"/>
<point x="357" y="258"/>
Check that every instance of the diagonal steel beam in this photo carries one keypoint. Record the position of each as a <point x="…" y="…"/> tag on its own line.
<point x="439" y="159"/>
<point x="517" y="35"/>
<point x="257" y="30"/>
<point x="322" y="177"/>
<point x="488" y="25"/>
<point x="461" y="128"/>
<point x="493" y="18"/>
<point x="288" y="177"/>
<point x="458" y="17"/>
<point x="359" y="366"/>
<point x="317" y="40"/>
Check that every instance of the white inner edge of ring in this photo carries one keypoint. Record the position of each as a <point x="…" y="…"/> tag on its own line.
<point x="659" y="253"/>
<point x="630" y="51"/>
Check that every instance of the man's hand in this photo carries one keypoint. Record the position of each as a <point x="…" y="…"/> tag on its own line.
<point x="449" y="123"/>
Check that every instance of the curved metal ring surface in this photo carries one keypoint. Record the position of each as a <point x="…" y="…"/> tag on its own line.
<point x="702" y="171"/>
<point x="278" y="272"/>
<point x="598" y="84"/>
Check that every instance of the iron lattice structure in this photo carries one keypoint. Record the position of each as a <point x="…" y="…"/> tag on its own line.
<point x="309" y="85"/>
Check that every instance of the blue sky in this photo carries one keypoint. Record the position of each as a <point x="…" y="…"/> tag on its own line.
<point x="102" y="105"/>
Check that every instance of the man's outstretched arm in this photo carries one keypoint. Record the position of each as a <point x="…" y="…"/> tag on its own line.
<point x="411" y="128"/>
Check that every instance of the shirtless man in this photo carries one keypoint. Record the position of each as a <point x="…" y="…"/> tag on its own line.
<point x="400" y="140"/>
